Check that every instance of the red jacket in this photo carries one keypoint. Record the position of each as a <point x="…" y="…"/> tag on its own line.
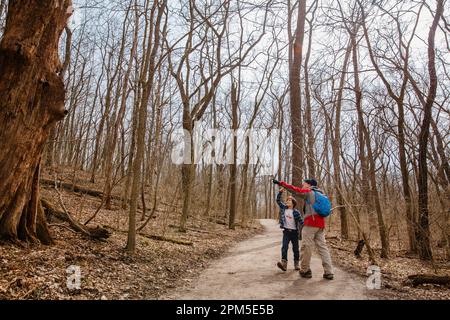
<point x="315" y="220"/>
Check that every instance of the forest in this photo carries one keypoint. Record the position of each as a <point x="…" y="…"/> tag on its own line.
<point x="141" y="132"/>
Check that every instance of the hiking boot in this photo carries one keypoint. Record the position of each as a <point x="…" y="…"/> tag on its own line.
<point x="306" y="274"/>
<point x="282" y="265"/>
<point x="328" y="276"/>
<point x="296" y="265"/>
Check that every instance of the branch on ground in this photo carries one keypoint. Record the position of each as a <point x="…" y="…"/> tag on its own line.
<point x="97" y="233"/>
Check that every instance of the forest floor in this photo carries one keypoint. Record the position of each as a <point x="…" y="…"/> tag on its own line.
<point x="211" y="253"/>
<point x="248" y="271"/>
<point x="107" y="271"/>
<point x="394" y="271"/>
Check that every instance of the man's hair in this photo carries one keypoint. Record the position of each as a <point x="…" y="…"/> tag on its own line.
<point x="294" y="202"/>
<point x="311" y="182"/>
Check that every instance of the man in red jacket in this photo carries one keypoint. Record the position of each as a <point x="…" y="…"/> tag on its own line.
<point x="313" y="230"/>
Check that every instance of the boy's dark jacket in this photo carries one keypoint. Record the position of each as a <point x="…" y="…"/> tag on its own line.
<point x="297" y="216"/>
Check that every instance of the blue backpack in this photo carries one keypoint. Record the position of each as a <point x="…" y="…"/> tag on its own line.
<point x="322" y="205"/>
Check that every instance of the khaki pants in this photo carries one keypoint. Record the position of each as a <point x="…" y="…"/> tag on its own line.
<point x="311" y="236"/>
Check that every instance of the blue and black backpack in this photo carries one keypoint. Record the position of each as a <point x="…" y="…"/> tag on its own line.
<point x="322" y="205"/>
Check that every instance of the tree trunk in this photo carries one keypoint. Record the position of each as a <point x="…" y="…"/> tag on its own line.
<point x="361" y="141"/>
<point x="147" y="80"/>
<point x="411" y="223"/>
<point x="336" y="148"/>
<point x="32" y="101"/>
<point x="233" y="166"/>
<point x="187" y="177"/>
<point x="211" y="171"/>
<point x="384" y="234"/>
<point x="187" y="169"/>
<point x="295" y="96"/>
<point x="308" y="109"/>
<point x="364" y="140"/>
<point x="423" y="235"/>
<point x="126" y="189"/>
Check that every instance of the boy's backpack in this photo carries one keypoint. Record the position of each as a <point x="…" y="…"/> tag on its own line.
<point x="322" y="205"/>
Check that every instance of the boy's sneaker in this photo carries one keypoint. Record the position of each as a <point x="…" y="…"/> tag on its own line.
<point x="296" y="265"/>
<point x="328" y="276"/>
<point x="282" y="265"/>
<point x="306" y="274"/>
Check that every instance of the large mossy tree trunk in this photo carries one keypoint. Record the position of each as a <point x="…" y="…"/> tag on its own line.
<point x="31" y="102"/>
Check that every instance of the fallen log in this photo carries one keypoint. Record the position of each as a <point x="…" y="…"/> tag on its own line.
<point x="172" y="240"/>
<point x="155" y="237"/>
<point x="217" y="221"/>
<point x="418" y="279"/>
<point x="97" y="233"/>
<point x="77" y="188"/>
<point x="190" y="229"/>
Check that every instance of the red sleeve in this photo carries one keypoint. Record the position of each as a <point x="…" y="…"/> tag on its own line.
<point x="295" y="189"/>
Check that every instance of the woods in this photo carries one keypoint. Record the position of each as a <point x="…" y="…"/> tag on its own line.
<point x="162" y="112"/>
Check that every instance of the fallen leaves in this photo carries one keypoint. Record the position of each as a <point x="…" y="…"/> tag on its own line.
<point x="107" y="272"/>
<point x="395" y="272"/>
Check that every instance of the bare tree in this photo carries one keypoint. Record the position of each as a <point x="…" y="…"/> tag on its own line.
<point x="204" y="90"/>
<point x="423" y="235"/>
<point x="404" y="50"/>
<point x="147" y="78"/>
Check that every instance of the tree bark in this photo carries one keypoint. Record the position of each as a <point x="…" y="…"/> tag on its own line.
<point x="31" y="102"/>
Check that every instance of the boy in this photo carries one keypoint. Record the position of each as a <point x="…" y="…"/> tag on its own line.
<point x="313" y="231"/>
<point x="290" y="221"/>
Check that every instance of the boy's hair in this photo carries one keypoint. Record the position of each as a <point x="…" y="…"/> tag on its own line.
<point x="294" y="202"/>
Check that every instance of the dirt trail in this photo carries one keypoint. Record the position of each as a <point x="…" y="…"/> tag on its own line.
<point x="248" y="271"/>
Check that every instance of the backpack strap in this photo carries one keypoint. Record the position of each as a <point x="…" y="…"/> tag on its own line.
<point x="311" y="204"/>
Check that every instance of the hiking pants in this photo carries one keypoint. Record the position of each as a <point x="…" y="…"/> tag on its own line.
<point x="311" y="236"/>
